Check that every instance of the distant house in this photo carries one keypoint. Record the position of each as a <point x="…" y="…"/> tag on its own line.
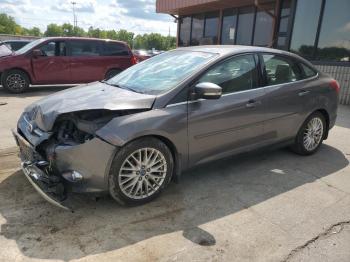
<point x="318" y="30"/>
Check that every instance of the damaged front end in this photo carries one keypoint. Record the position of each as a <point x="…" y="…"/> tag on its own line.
<point x="69" y="157"/>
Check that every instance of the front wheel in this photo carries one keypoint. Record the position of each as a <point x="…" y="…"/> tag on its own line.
<point x="15" y="81"/>
<point x="310" y="135"/>
<point x="140" y="171"/>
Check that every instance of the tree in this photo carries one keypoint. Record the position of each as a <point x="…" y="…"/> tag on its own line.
<point x="147" y="41"/>
<point x="124" y="35"/>
<point x="7" y="24"/>
<point x="53" y="30"/>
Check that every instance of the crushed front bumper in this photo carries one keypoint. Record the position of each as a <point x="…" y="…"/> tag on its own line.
<point x="49" y="187"/>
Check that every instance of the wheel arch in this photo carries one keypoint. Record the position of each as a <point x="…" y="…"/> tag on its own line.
<point x="19" y="69"/>
<point x="175" y="153"/>
<point x="325" y="113"/>
<point x="111" y="69"/>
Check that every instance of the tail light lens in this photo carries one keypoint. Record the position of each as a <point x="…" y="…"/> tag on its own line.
<point x="134" y="60"/>
<point x="335" y="85"/>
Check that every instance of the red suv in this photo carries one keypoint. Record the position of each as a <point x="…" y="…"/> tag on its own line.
<point x="63" y="60"/>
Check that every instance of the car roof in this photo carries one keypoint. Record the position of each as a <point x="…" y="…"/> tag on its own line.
<point x="231" y="49"/>
<point x="228" y="50"/>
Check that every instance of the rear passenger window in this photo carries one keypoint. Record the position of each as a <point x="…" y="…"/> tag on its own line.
<point x="308" y="71"/>
<point x="280" y="69"/>
<point x="233" y="75"/>
<point x="84" y="48"/>
<point x="115" y="49"/>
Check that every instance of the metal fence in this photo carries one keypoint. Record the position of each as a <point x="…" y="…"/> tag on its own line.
<point x="342" y="75"/>
<point x="5" y="37"/>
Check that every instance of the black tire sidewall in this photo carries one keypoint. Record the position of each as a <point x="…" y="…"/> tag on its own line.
<point x="113" y="184"/>
<point x="299" y="143"/>
<point x="111" y="73"/>
<point x="19" y="72"/>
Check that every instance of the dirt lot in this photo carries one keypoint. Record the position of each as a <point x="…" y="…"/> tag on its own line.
<point x="266" y="206"/>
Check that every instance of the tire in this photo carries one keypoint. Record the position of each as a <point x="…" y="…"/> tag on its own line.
<point x="111" y="73"/>
<point x="15" y="81"/>
<point x="130" y="184"/>
<point x="301" y="141"/>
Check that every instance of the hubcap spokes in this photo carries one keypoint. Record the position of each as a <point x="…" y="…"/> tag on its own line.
<point x="15" y="81"/>
<point x="313" y="134"/>
<point x="142" y="173"/>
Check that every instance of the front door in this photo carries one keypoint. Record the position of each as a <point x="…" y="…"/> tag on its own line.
<point x="53" y="67"/>
<point x="232" y="123"/>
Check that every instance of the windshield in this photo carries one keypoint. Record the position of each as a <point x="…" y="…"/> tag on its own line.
<point x="161" y="73"/>
<point x="29" y="46"/>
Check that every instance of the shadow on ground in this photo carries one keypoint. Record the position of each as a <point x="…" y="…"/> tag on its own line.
<point x="204" y="194"/>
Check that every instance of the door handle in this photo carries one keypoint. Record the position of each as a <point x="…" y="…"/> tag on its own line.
<point x="303" y="93"/>
<point x="252" y="103"/>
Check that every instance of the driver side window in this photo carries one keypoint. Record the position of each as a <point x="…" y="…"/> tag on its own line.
<point x="233" y="75"/>
<point x="54" y="49"/>
<point x="49" y="49"/>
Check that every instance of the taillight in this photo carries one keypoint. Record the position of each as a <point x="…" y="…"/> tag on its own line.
<point x="335" y="85"/>
<point x="134" y="60"/>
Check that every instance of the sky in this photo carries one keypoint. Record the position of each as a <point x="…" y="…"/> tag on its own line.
<point x="138" y="16"/>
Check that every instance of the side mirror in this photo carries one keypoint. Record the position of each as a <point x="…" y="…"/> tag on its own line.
<point x="208" y="90"/>
<point x="37" y="53"/>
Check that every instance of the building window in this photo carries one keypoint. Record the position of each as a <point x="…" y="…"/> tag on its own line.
<point x="211" y="28"/>
<point x="284" y="25"/>
<point x="264" y="26"/>
<point x="245" y="26"/>
<point x="185" y="31"/>
<point x="305" y="27"/>
<point x="197" y="29"/>
<point x="334" y="40"/>
<point x="228" y="32"/>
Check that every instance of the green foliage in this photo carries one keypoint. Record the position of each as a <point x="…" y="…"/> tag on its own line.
<point x="8" y="25"/>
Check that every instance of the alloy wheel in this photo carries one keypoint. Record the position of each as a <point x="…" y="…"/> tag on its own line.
<point x="142" y="173"/>
<point x="313" y="134"/>
<point x="15" y="82"/>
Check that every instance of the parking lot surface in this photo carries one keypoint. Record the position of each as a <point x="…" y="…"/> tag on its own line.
<point x="263" y="206"/>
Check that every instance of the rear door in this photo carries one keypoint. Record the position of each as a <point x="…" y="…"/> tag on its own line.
<point x="87" y="64"/>
<point x="116" y="56"/>
<point x="287" y="95"/>
<point x="53" y="67"/>
<point x="233" y="123"/>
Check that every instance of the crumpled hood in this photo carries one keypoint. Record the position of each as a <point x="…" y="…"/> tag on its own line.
<point x="92" y="96"/>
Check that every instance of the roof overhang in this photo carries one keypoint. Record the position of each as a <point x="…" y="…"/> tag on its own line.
<point x="185" y="7"/>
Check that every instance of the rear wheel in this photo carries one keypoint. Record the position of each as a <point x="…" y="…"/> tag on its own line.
<point x="15" y="81"/>
<point x="310" y="135"/>
<point x="140" y="171"/>
<point x="111" y="73"/>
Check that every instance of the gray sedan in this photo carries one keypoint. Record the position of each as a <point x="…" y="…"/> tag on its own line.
<point x="132" y="134"/>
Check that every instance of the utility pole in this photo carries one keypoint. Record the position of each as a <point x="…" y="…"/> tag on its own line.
<point x="75" y="20"/>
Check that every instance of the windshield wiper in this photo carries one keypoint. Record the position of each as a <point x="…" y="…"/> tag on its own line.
<point x="122" y="87"/>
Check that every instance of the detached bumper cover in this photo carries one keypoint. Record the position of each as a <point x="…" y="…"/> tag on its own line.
<point x="34" y="175"/>
<point x="50" y="188"/>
